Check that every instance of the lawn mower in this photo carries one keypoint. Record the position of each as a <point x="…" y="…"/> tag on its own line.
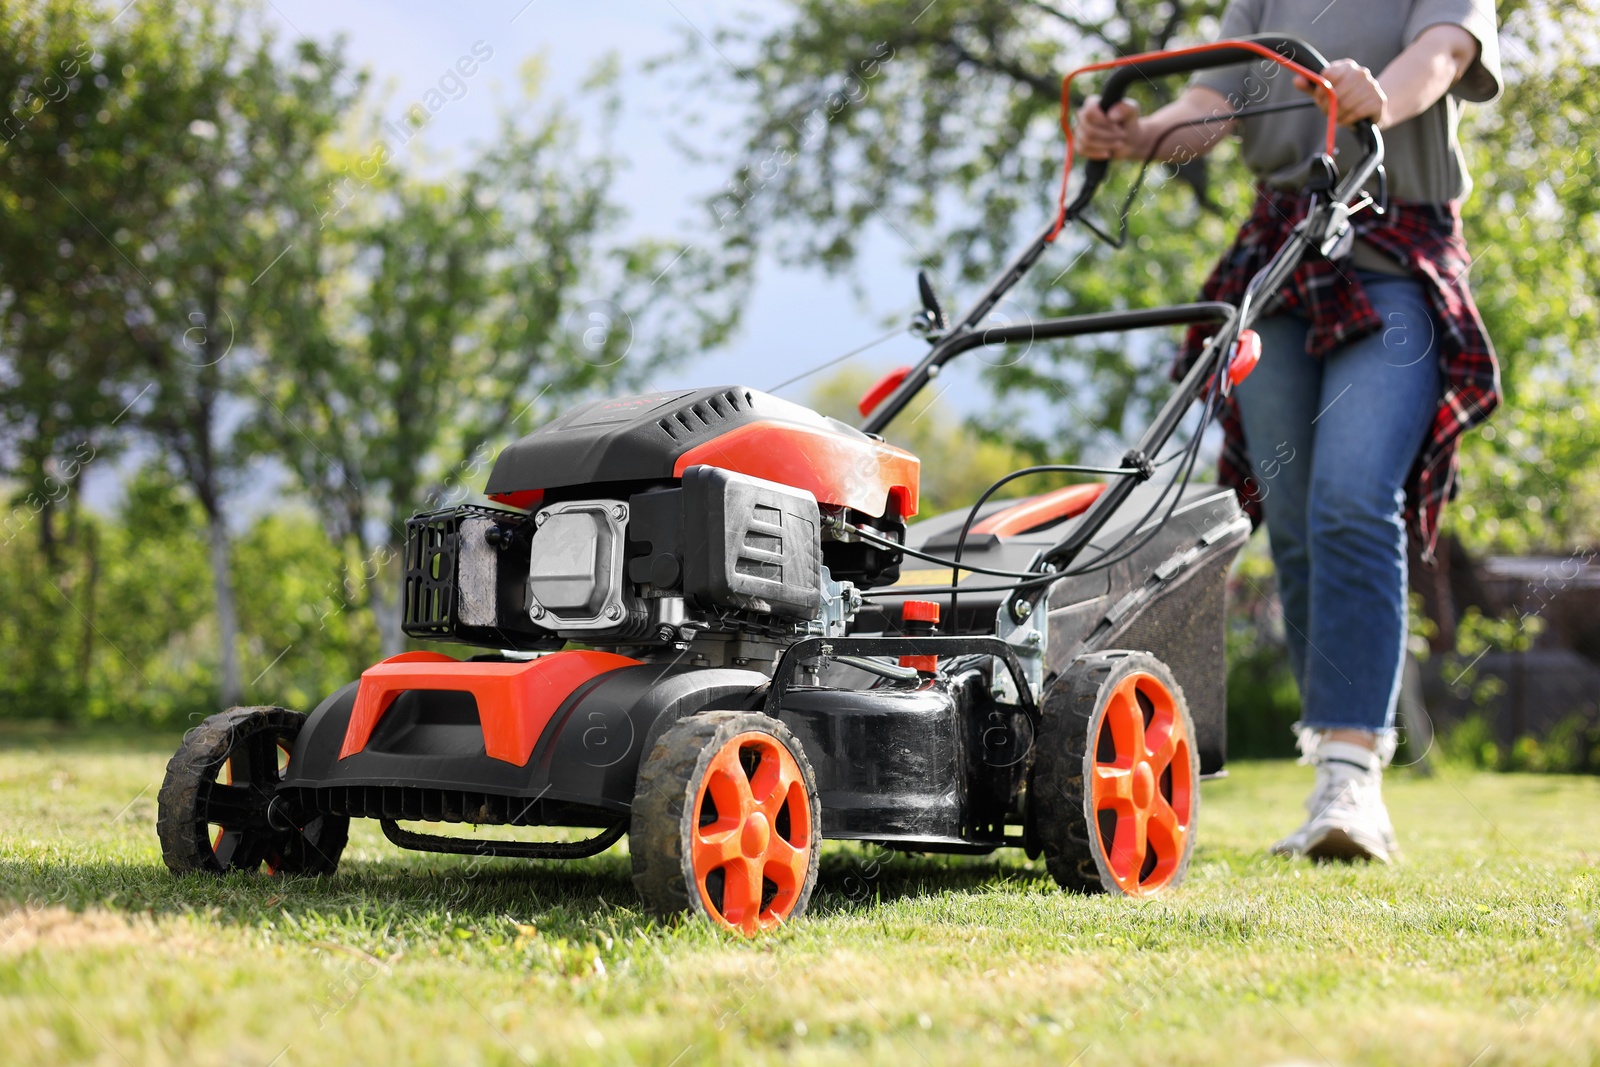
<point x="710" y="626"/>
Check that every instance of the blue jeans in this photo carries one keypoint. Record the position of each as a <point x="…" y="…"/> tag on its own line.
<point x="1332" y="441"/>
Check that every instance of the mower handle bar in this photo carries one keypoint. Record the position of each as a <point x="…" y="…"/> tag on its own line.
<point x="1326" y="219"/>
<point x="954" y="341"/>
<point x="1201" y="312"/>
<point x="1207" y="57"/>
<point x="1293" y="50"/>
<point x="1325" y="222"/>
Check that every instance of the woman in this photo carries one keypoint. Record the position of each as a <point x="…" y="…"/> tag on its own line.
<point x="1371" y="370"/>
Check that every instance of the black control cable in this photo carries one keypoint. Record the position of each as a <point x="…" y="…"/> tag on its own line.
<point x="1155" y="147"/>
<point x="1113" y="554"/>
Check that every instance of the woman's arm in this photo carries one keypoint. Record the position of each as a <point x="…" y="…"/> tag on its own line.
<point x="1408" y="86"/>
<point x="1122" y="134"/>
<point x="1411" y="84"/>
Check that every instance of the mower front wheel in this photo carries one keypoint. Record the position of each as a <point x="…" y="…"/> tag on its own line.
<point x="726" y="822"/>
<point x="1115" y="790"/>
<point x="215" y="810"/>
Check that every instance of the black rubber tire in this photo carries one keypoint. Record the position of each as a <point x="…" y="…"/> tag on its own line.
<point x="1060" y="807"/>
<point x="670" y="778"/>
<point x="251" y="738"/>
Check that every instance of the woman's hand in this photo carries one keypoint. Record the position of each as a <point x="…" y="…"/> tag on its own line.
<point x="1360" y="96"/>
<point x="1113" y="134"/>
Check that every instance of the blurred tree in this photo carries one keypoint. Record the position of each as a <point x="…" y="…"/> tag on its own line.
<point x="300" y="642"/>
<point x="1532" y="477"/>
<point x="139" y="646"/>
<point x="936" y="126"/>
<point x="189" y="261"/>
<point x="158" y="662"/>
<point x="61" y="385"/>
<point x="174" y="175"/>
<point x="430" y="318"/>
<point x="152" y="609"/>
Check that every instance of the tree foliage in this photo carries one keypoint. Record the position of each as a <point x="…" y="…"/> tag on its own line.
<point x="210" y="258"/>
<point x="158" y="170"/>
<point x="936" y="128"/>
<point x="61" y="386"/>
<point x="1532" y="477"/>
<point x="431" y="317"/>
<point x="138" y="643"/>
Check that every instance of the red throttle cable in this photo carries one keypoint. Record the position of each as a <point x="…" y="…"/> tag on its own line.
<point x="1261" y="50"/>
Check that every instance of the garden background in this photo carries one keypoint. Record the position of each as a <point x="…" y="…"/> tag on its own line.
<point x="256" y="309"/>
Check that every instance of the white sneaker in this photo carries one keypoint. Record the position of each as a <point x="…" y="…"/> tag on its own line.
<point x="1347" y="819"/>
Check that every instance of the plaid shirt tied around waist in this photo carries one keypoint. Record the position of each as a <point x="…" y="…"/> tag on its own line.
<point x="1426" y="240"/>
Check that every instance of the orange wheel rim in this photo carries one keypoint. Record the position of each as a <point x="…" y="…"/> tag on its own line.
<point x="227" y="779"/>
<point x="1143" y="785"/>
<point x="752" y="836"/>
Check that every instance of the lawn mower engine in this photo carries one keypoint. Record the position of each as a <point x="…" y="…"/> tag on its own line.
<point x="705" y="526"/>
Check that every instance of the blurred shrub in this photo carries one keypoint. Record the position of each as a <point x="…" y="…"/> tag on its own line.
<point x="120" y="627"/>
<point x="1263" y="700"/>
<point x="1478" y="634"/>
<point x="1572" y="746"/>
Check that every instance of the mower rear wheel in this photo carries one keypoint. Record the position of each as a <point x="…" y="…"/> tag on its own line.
<point x="1115" y="789"/>
<point x="725" y="822"/>
<point x="213" y="809"/>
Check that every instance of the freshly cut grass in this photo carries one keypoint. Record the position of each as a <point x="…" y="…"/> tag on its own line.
<point x="1479" y="949"/>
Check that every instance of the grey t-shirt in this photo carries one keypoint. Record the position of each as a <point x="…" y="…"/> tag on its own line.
<point x="1421" y="155"/>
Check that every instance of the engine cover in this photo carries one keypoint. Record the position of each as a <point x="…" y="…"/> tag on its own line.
<point x="658" y="436"/>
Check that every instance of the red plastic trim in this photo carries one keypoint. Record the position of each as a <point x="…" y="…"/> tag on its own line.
<point x="1246" y="354"/>
<point x="1261" y="50"/>
<point x="515" y="700"/>
<point x="880" y="392"/>
<point x="526" y="499"/>
<point x="920" y="611"/>
<point x="836" y="469"/>
<point x="1036" y="511"/>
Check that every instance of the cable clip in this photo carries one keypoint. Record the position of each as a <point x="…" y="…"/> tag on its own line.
<point x="1136" y="460"/>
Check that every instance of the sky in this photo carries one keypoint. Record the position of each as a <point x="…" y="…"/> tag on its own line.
<point x="409" y="46"/>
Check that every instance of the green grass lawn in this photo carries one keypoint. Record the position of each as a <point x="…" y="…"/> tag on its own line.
<point x="1479" y="949"/>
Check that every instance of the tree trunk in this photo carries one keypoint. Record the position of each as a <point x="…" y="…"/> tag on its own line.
<point x="49" y="546"/>
<point x="227" y="617"/>
<point x="390" y="569"/>
<point x="86" y="659"/>
<point x="386" y="605"/>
